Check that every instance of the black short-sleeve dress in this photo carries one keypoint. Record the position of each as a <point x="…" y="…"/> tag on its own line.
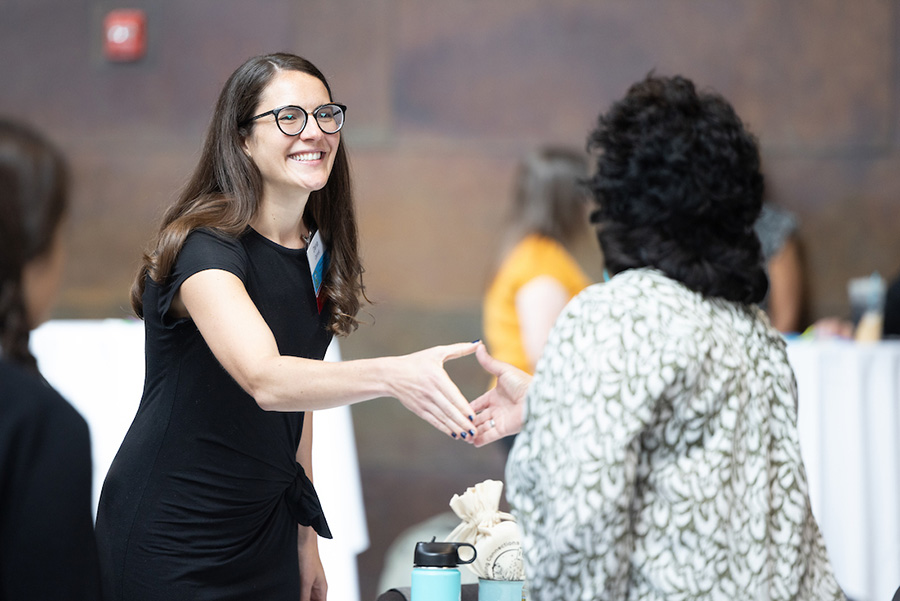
<point x="204" y="496"/>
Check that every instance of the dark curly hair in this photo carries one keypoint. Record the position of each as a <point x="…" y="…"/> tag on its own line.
<point x="678" y="186"/>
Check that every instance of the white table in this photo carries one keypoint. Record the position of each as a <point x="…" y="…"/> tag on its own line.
<point x="98" y="366"/>
<point x="849" y="420"/>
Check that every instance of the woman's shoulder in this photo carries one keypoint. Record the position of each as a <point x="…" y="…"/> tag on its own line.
<point x="773" y="227"/>
<point x="212" y="237"/>
<point x="642" y="300"/>
<point x="17" y="382"/>
<point x="25" y="398"/>
<point x="537" y="255"/>
<point x="634" y="289"/>
<point x="539" y="245"/>
<point x="209" y="248"/>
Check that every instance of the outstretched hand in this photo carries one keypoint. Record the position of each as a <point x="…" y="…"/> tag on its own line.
<point x="424" y="388"/>
<point x="313" y="586"/>
<point x="499" y="411"/>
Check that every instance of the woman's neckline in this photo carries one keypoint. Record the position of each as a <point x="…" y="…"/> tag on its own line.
<point x="276" y="245"/>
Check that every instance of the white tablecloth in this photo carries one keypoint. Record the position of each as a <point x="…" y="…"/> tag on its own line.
<point x="849" y="420"/>
<point x="98" y="366"/>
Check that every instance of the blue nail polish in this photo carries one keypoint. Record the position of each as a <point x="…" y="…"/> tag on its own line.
<point x="453" y="434"/>
<point x="472" y="432"/>
<point x="463" y="435"/>
<point x="471" y="418"/>
<point x="476" y="341"/>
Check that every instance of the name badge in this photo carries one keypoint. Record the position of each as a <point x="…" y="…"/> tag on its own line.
<point x="317" y="255"/>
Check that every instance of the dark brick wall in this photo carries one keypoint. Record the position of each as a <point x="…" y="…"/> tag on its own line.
<point x="444" y="98"/>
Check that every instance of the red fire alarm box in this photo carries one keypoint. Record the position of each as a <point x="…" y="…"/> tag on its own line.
<point x="125" y="34"/>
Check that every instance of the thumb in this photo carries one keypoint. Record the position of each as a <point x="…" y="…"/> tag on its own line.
<point x="490" y="365"/>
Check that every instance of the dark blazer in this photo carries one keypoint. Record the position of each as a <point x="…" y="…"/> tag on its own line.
<point x="47" y="545"/>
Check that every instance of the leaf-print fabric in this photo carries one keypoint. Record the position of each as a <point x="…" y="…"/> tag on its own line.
<point x="660" y="459"/>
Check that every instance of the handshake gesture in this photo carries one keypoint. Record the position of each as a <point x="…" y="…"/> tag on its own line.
<point x="425" y="389"/>
<point x="498" y="412"/>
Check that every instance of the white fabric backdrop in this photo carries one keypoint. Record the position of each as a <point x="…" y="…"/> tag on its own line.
<point x="98" y="366"/>
<point x="849" y="420"/>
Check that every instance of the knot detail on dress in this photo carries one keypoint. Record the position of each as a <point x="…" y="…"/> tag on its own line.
<point x="304" y="506"/>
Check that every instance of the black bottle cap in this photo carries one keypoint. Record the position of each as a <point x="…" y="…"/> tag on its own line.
<point x="440" y="555"/>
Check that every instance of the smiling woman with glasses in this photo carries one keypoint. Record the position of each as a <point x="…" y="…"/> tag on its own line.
<point x="253" y="270"/>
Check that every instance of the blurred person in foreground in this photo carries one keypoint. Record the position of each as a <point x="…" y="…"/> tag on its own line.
<point x="658" y="457"/>
<point x="47" y="548"/>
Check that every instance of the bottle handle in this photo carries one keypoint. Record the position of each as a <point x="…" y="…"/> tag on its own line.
<point x="474" y="553"/>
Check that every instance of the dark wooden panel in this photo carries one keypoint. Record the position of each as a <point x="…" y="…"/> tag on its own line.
<point x="53" y="55"/>
<point x="430" y="223"/>
<point x="804" y="74"/>
<point x="352" y="42"/>
<point x="131" y="131"/>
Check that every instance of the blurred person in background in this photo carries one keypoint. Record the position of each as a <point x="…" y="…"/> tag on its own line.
<point x="47" y="547"/>
<point x="210" y="495"/>
<point x="538" y="273"/>
<point x="777" y="231"/>
<point x="891" y="327"/>
<point x="659" y="457"/>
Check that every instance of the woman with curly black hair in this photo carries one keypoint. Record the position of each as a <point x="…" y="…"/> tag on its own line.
<point x="658" y="457"/>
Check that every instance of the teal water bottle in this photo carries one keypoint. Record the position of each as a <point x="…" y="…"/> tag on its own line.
<point x="435" y="576"/>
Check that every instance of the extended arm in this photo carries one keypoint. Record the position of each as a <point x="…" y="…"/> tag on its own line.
<point x="786" y="287"/>
<point x="241" y="340"/>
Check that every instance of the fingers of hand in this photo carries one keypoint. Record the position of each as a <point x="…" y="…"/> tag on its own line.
<point x="460" y="349"/>
<point x="455" y="405"/>
<point x="482" y="420"/>
<point x="486" y="437"/>
<point x="483" y="402"/>
<point x="426" y="414"/>
<point x="443" y="423"/>
<point x="434" y="397"/>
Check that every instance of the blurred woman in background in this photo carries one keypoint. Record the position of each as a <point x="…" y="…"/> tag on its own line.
<point x="781" y="249"/>
<point x="538" y="273"/>
<point x="47" y="548"/>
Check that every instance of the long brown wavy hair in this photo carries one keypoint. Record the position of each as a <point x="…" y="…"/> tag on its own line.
<point x="224" y="193"/>
<point x="33" y="200"/>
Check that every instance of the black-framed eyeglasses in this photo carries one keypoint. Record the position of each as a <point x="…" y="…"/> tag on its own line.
<point x="291" y="120"/>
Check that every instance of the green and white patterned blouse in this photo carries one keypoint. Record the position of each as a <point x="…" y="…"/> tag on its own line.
<point x="659" y="460"/>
